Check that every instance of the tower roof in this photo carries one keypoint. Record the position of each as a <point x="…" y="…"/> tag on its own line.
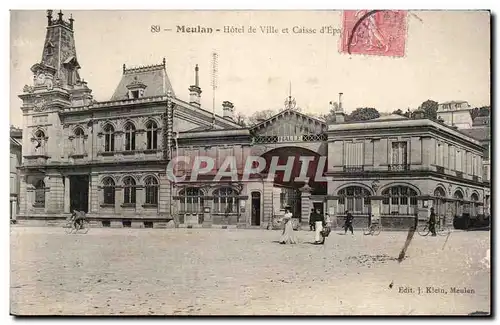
<point x="153" y="77"/>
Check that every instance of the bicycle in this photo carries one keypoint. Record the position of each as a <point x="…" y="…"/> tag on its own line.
<point x="374" y="229"/>
<point x="440" y="230"/>
<point x="70" y="227"/>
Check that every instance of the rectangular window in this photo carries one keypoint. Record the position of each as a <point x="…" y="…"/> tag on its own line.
<point x="440" y="154"/>
<point x="399" y="154"/>
<point x="458" y="161"/>
<point x="109" y="144"/>
<point x="109" y="195"/>
<point x="353" y="156"/>
<point x="152" y="194"/>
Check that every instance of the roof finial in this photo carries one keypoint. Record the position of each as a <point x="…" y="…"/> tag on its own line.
<point x="290" y="102"/>
<point x="164" y="62"/>
<point x="49" y="17"/>
<point x="196" y="77"/>
<point x="60" y="14"/>
<point x="124" y="68"/>
<point x="71" y="20"/>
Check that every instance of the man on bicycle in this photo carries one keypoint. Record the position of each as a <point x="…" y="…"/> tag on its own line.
<point x="432" y="222"/>
<point x="78" y="218"/>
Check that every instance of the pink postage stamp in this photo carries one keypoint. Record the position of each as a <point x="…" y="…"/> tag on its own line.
<point x="374" y="32"/>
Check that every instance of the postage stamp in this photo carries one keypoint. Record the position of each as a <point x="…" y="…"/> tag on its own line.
<point x="375" y="32"/>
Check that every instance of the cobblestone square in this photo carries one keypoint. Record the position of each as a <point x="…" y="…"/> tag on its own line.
<point x="244" y="272"/>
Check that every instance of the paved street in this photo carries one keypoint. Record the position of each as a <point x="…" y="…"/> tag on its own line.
<point x="243" y="272"/>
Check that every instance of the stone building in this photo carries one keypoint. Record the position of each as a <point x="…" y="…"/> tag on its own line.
<point x="104" y="158"/>
<point x="15" y="162"/>
<point x="111" y="158"/>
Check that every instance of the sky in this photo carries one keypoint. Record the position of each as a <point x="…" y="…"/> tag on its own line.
<point x="447" y="57"/>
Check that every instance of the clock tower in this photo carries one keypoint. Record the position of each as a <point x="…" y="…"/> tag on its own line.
<point x="56" y="87"/>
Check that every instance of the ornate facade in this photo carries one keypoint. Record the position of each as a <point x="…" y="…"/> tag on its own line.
<point x="110" y="158"/>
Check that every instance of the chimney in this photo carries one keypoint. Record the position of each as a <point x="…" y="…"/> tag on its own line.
<point x="339" y="113"/>
<point x="195" y="90"/>
<point x="228" y="110"/>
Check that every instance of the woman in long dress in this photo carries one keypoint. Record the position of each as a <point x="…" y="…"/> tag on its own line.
<point x="288" y="236"/>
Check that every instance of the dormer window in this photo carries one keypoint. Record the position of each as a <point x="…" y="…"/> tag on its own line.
<point x="134" y="94"/>
<point x="136" y="89"/>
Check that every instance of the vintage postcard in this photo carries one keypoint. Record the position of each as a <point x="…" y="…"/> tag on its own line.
<point x="250" y="162"/>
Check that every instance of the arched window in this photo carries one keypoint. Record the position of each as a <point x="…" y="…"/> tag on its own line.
<point x="128" y="190"/>
<point x="79" y="141"/>
<point x="191" y="200"/>
<point x="109" y="190"/>
<point x="151" y="190"/>
<point x="152" y="135"/>
<point x="355" y="199"/>
<point x="459" y="203"/>
<point x="39" y="141"/>
<point x="109" y="138"/>
<point x="225" y="200"/>
<point x="40" y="193"/>
<point x="439" y="201"/>
<point x="129" y="136"/>
<point x="473" y="209"/>
<point x="399" y="200"/>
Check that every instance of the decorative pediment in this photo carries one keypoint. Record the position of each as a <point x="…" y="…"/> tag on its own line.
<point x="289" y="123"/>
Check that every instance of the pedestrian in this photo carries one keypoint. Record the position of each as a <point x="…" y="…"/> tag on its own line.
<point x="348" y="222"/>
<point x="432" y="222"/>
<point x="319" y="222"/>
<point x="311" y="221"/>
<point x="288" y="235"/>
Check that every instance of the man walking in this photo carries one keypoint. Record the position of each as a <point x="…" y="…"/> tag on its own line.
<point x="348" y="222"/>
<point x="319" y="221"/>
<point x="432" y="222"/>
<point x="311" y="221"/>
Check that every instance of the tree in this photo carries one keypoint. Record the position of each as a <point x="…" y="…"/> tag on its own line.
<point x="363" y="114"/>
<point x="430" y="108"/>
<point x="240" y="119"/>
<point x="398" y="112"/>
<point x="480" y="111"/>
<point x="259" y="116"/>
<point x="330" y="116"/>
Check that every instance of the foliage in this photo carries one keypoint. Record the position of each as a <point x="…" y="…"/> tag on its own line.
<point x="240" y="119"/>
<point x="257" y="117"/>
<point x="481" y="111"/>
<point x="363" y="114"/>
<point x="430" y="108"/>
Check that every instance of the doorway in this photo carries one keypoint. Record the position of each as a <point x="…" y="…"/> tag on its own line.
<point x="320" y="206"/>
<point x="255" y="209"/>
<point x="79" y="193"/>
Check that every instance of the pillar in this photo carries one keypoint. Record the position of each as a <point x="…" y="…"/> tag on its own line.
<point x="331" y="209"/>
<point x="376" y="209"/>
<point x="305" y="206"/>
<point x="267" y="204"/>
<point x="164" y="195"/>
<point x="94" y="194"/>
<point x="22" y="194"/>
<point x="66" y="195"/>
<point x="54" y="198"/>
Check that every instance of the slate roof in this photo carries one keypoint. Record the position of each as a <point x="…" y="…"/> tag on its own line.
<point x="154" y="77"/>
<point x="478" y="133"/>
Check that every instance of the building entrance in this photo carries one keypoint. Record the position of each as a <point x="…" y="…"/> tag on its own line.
<point x="79" y="193"/>
<point x="255" y="209"/>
